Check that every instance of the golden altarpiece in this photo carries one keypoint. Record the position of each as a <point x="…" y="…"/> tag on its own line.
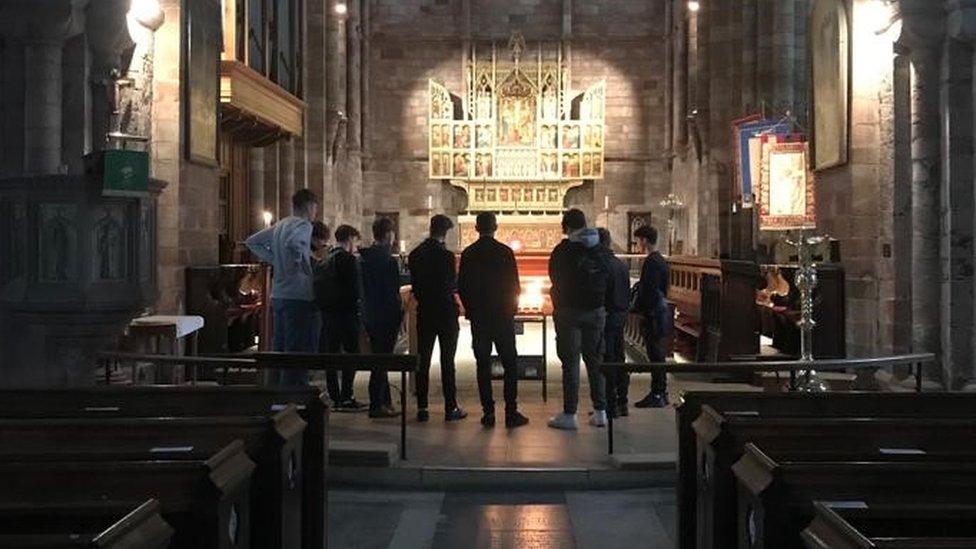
<point x="517" y="139"/>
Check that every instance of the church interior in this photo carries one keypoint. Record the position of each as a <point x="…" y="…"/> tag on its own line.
<point x="807" y="169"/>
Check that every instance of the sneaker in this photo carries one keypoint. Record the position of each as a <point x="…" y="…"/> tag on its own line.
<point x="423" y="415"/>
<point x="564" y="421"/>
<point x="455" y="415"/>
<point x="599" y="419"/>
<point x="653" y="400"/>
<point x="514" y="420"/>
<point x="488" y="420"/>
<point x="383" y="412"/>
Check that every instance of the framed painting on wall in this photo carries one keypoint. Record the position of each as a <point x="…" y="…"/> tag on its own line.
<point x="830" y="77"/>
<point x="201" y="78"/>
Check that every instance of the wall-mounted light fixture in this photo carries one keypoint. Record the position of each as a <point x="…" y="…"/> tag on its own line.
<point x="268" y="218"/>
<point x="694" y="6"/>
<point x="341" y="8"/>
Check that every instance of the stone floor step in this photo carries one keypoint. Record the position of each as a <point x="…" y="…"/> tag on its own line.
<point x="501" y="478"/>
<point x="643" y="462"/>
<point x="358" y="453"/>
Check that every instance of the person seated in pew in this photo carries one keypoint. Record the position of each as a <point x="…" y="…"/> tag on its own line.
<point x="382" y="310"/>
<point x="338" y="291"/>
<point x="617" y="305"/>
<point x="287" y="247"/>
<point x="649" y="302"/>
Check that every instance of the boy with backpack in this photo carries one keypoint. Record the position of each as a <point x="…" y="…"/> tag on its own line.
<point x="579" y="273"/>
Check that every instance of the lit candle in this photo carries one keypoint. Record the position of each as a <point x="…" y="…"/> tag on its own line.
<point x="403" y="246"/>
<point x="430" y="202"/>
<point x="268" y="218"/>
<point x="606" y="202"/>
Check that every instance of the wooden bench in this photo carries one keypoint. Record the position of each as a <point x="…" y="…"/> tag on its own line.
<point x="776" y="493"/>
<point x="722" y="439"/>
<point x="89" y="527"/>
<point x="206" y="502"/>
<point x="274" y="443"/>
<point x="182" y="401"/>
<point x="790" y="404"/>
<point x="900" y="526"/>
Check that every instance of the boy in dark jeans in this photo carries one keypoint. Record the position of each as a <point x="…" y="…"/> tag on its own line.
<point x="382" y="310"/>
<point x="341" y="305"/>
<point x="652" y="290"/>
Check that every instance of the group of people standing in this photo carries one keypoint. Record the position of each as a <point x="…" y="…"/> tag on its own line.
<point x="324" y="299"/>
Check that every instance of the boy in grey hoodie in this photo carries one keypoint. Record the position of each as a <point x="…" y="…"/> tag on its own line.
<point x="579" y="274"/>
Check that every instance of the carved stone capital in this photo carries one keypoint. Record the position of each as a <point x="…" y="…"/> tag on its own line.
<point x="923" y="24"/>
<point x="961" y="19"/>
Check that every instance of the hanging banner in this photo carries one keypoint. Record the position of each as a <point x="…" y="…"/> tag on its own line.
<point x="747" y="151"/>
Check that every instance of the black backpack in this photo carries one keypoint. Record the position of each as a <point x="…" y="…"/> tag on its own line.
<point x="591" y="277"/>
<point x="325" y="283"/>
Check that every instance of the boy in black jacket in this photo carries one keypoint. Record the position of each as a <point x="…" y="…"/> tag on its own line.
<point x="341" y="313"/>
<point x="617" y="305"/>
<point x="652" y="290"/>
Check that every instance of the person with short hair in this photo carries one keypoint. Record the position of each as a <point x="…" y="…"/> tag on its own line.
<point x="382" y="309"/>
<point x="287" y="247"/>
<point x="433" y="279"/>
<point x="617" y="305"/>
<point x="341" y="302"/>
<point x="579" y="273"/>
<point x="488" y="283"/>
<point x="320" y="241"/>
<point x="651" y="303"/>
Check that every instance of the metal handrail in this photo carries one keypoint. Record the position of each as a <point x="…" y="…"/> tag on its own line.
<point x="915" y="361"/>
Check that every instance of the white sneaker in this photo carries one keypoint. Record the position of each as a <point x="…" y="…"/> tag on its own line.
<point x="564" y="421"/>
<point x="599" y="418"/>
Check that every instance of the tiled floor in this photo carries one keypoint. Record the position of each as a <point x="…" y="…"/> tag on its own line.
<point x="467" y="444"/>
<point x="557" y="520"/>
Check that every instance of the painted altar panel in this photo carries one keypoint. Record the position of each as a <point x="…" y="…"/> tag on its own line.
<point x="519" y="123"/>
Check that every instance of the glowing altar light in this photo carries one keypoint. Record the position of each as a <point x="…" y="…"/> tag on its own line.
<point x="694" y="6"/>
<point x="341" y="8"/>
<point x="531" y="298"/>
<point x="268" y="218"/>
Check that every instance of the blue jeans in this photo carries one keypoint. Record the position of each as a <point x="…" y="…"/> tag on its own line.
<point x="581" y="333"/>
<point x="295" y="323"/>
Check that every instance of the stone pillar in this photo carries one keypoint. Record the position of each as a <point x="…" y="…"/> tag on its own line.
<point x="286" y="175"/>
<point x="271" y="184"/>
<point x="784" y="64"/>
<point x="42" y="108"/>
<point x="256" y="191"/>
<point x="335" y="71"/>
<point x="926" y="203"/>
<point x="957" y="212"/>
<point x="680" y="85"/>
<point x="354" y="77"/>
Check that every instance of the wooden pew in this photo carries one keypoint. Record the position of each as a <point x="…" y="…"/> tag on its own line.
<point x="722" y="439"/>
<point x="731" y="313"/>
<point x="182" y="401"/>
<point x="791" y="404"/>
<point x="902" y="526"/>
<point x="275" y="444"/>
<point x="206" y="502"/>
<point x="776" y="493"/>
<point x="90" y="527"/>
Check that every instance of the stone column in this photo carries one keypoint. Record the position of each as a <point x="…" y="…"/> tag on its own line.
<point x="922" y="35"/>
<point x="335" y="69"/>
<point x="255" y="179"/>
<point x="354" y="77"/>
<point x="957" y="212"/>
<point x="271" y="184"/>
<point x="286" y="175"/>
<point x="42" y="107"/>
<point x="784" y="45"/>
